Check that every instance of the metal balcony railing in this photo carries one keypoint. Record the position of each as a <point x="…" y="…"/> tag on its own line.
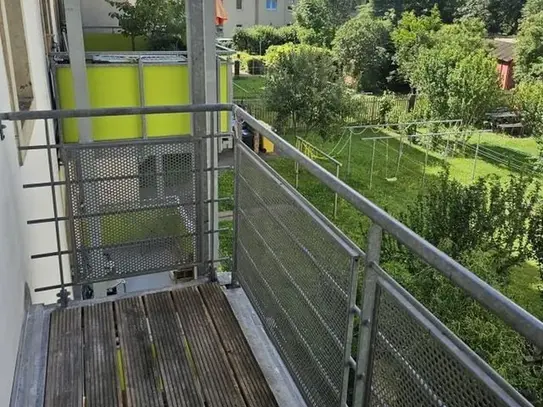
<point x="300" y="272"/>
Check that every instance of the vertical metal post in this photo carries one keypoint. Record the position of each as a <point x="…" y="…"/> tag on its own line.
<point x="235" y="261"/>
<point x="425" y="164"/>
<point x="372" y="162"/>
<point x="400" y="151"/>
<point x="350" y="326"/>
<point x="142" y="97"/>
<point x="386" y="160"/>
<point x="475" y="159"/>
<point x="297" y="167"/>
<point x="350" y="151"/>
<point x="76" y="50"/>
<point x="336" y="196"/>
<point x="366" y="334"/>
<point x="200" y="152"/>
<point x="212" y="203"/>
<point x="69" y="202"/>
<point x="197" y="53"/>
<point x="63" y="294"/>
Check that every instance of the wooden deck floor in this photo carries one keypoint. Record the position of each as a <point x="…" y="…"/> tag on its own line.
<point x="179" y="348"/>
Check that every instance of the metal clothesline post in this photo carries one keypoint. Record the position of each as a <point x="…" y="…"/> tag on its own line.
<point x="475" y="158"/>
<point x="372" y="162"/>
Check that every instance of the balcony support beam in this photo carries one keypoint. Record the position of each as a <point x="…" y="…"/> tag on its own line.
<point x="76" y="51"/>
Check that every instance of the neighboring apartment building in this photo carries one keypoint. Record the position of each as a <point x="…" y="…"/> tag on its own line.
<point x="28" y="31"/>
<point x="95" y="15"/>
<point x="241" y="13"/>
<point x="246" y="13"/>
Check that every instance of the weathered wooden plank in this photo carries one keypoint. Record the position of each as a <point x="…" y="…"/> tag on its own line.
<point x="179" y="379"/>
<point x="220" y="388"/>
<point x="140" y="366"/>
<point x="250" y="378"/>
<point x="64" y="384"/>
<point x="102" y="382"/>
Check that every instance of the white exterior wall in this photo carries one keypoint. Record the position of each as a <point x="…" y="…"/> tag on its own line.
<point x="278" y="18"/>
<point x="95" y="14"/>
<point x="248" y="16"/>
<point x="13" y="249"/>
<point x="37" y="202"/>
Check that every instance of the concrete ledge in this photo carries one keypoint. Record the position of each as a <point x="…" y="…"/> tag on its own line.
<point x="276" y="373"/>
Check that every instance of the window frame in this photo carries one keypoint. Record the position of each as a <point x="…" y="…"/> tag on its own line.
<point x="269" y="3"/>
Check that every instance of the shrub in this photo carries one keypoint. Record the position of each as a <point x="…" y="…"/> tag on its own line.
<point x="528" y="99"/>
<point x="256" y="40"/>
<point x="303" y="84"/>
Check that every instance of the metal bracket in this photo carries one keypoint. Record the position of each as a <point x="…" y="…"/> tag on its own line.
<point x="63" y="297"/>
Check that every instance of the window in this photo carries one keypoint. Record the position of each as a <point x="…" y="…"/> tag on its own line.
<point x="271" y="4"/>
<point x="239" y="4"/>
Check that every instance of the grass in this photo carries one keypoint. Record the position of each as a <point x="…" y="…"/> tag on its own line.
<point x="526" y="288"/>
<point x="394" y="196"/>
<point x="249" y="87"/>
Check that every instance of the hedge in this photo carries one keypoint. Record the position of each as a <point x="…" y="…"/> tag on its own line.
<point x="256" y="40"/>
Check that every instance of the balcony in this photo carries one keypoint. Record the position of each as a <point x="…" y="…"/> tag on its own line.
<point x="304" y="317"/>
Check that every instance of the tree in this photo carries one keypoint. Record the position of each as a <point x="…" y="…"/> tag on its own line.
<point x="411" y="34"/>
<point x="133" y="19"/>
<point x="161" y="21"/>
<point x="528" y="99"/>
<point x="447" y="8"/>
<point x="457" y="73"/>
<point x="529" y="48"/>
<point x="362" y="46"/>
<point x="303" y="84"/>
<point x="532" y="7"/>
<point x="317" y="20"/>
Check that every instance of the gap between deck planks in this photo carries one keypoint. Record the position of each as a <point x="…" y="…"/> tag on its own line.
<point x="178" y="348"/>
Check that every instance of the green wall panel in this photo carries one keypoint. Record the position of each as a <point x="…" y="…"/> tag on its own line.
<point x="109" y="86"/>
<point x="167" y="85"/>
<point x="118" y="86"/>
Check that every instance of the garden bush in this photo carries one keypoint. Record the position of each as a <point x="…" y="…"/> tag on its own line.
<point x="485" y="227"/>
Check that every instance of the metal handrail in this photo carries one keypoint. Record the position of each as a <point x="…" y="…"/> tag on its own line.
<point x="511" y="313"/>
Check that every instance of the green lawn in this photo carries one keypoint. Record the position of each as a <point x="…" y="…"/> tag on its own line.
<point x="393" y="187"/>
<point x="249" y="87"/>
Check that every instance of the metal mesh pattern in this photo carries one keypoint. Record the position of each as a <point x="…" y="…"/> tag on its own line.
<point x="297" y="274"/>
<point x="412" y="368"/>
<point x="133" y="206"/>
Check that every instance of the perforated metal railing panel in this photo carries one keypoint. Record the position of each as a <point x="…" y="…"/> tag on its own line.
<point x="133" y="207"/>
<point x="297" y="273"/>
<point x="413" y="368"/>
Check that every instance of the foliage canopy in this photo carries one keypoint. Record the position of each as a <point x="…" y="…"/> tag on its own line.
<point x="363" y="48"/>
<point x="303" y="83"/>
<point x="161" y="21"/>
